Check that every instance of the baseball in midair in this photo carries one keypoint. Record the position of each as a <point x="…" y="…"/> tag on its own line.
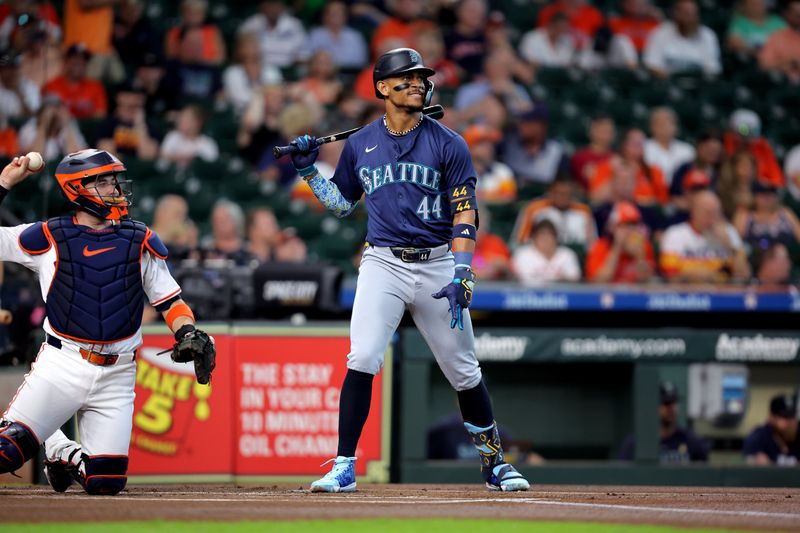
<point x="35" y="161"/>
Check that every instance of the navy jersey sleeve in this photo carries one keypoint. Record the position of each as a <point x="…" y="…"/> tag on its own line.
<point x="345" y="177"/>
<point x="698" y="448"/>
<point x="458" y="169"/>
<point x="756" y="442"/>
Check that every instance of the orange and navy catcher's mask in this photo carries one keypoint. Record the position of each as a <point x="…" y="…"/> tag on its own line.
<point x="76" y="175"/>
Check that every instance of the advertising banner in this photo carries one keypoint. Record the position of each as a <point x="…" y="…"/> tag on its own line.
<point x="180" y="426"/>
<point x="287" y="402"/>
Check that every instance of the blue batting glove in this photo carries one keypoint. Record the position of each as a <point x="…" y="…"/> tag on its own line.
<point x="459" y="295"/>
<point x="307" y="153"/>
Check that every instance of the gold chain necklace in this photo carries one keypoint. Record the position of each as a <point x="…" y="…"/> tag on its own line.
<point x="401" y="133"/>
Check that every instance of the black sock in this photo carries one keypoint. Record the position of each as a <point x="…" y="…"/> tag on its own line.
<point x="353" y="410"/>
<point x="476" y="406"/>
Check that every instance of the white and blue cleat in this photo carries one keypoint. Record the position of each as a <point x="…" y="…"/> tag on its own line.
<point x="506" y="478"/>
<point x="341" y="478"/>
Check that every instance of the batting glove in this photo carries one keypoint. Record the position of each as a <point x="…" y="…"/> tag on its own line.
<point x="307" y="153"/>
<point x="459" y="295"/>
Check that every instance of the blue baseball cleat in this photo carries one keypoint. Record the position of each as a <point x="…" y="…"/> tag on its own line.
<point x="341" y="478"/>
<point x="506" y="478"/>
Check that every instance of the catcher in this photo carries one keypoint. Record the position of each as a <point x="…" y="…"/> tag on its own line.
<point x="96" y="270"/>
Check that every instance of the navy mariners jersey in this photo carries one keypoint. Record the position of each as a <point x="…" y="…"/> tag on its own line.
<point x="406" y="180"/>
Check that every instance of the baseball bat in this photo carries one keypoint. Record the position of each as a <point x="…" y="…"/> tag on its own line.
<point x="434" y="111"/>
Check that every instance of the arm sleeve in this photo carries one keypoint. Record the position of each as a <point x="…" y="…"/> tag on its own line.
<point x="653" y="52"/>
<point x="159" y="285"/>
<point x="11" y="251"/>
<point x="458" y="169"/>
<point x="345" y="178"/>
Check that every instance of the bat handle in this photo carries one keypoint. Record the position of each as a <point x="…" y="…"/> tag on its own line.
<point x="280" y="151"/>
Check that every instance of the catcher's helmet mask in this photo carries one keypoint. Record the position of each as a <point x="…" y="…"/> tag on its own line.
<point x="400" y="61"/>
<point x="85" y="178"/>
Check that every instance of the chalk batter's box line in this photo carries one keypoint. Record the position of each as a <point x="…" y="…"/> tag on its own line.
<point x="433" y="501"/>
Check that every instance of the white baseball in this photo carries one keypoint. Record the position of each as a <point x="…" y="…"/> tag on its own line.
<point x="35" y="161"/>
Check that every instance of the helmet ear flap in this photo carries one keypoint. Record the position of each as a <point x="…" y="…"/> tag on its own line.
<point x="429" y="85"/>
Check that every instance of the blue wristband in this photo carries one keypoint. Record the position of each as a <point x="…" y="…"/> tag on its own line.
<point x="463" y="259"/>
<point x="307" y="171"/>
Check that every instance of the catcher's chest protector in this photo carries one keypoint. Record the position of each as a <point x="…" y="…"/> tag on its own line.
<point x="97" y="293"/>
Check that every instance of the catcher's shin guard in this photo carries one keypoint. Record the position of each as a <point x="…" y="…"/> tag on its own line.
<point x="498" y="474"/>
<point x="103" y="474"/>
<point x="17" y="445"/>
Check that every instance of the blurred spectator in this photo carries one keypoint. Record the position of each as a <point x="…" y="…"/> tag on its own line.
<point x="187" y="141"/>
<point x="85" y="97"/>
<point x="791" y="169"/>
<point x="134" y="35"/>
<point x="552" y="45"/>
<point x="227" y="233"/>
<point x="149" y="77"/>
<point x="582" y="17"/>
<point x="429" y="43"/>
<point x="291" y="250"/>
<point x="704" y="249"/>
<point x="781" y="52"/>
<point x="466" y="41"/>
<point x="492" y="259"/>
<point x="127" y="132"/>
<point x="502" y="37"/>
<point x="677" y="445"/>
<point x="694" y="181"/>
<point x="766" y="220"/>
<point x="497" y="80"/>
<point x="529" y="152"/>
<point x="91" y="23"/>
<point x="572" y="219"/>
<point x="608" y="50"/>
<point x="8" y="139"/>
<point x="638" y="19"/>
<point x="52" y="132"/>
<point x="293" y="121"/>
<point x="259" y="129"/>
<point x="41" y="58"/>
<point x="188" y="79"/>
<point x="263" y="234"/>
<point x="193" y="17"/>
<point x="17" y="14"/>
<point x="282" y="37"/>
<point x="172" y="224"/>
<point x="751" y="26"/>
<point x="708" y="160"/>
<point x="491" y="113"/>
<point x="624" y="253"/>
<point x="736" y="179"/>
<point x="19" y="97"/>
<point x="663" y="149"/>
<point x="495" y="179"/>
<point x="346" y="45"/>
<point x="407" y="18"/>
<point x="775" y="442"/>
<point x="249" y="74"/>
<point x="772" y="265"/>
<point x="682" y="44"/>
<point x="602" y="133"/>
<point x="650" y="187"/>
<point x="745" y="133"/>
<point x="542" y="260"/>
<point x="321" y="83"/>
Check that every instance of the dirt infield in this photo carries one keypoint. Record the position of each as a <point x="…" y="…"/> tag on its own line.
<point x="758" y="509"/>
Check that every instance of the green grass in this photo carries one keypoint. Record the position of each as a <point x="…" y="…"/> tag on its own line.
<point x="348" y="526"/>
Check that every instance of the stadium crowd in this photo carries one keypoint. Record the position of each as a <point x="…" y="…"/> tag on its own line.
<point x="615" y="141"/>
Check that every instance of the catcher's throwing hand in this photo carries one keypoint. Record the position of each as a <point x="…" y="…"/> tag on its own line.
<point x="459" y="295"/>
<point x="16" y="171"/>
<point x="197" y="346"/>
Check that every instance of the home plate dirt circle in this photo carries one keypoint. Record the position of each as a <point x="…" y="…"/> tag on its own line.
<point x="774" y="509"/>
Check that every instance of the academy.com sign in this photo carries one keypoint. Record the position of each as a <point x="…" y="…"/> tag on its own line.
<point x="756" y="348"/>
<point x="603" y="346"/>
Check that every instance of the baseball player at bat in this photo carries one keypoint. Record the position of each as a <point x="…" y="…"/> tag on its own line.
<point x="96" y="270"/>
<point x="419" y="183"/>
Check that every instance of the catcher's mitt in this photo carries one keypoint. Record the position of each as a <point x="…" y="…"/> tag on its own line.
<point x="197" y="346"/>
